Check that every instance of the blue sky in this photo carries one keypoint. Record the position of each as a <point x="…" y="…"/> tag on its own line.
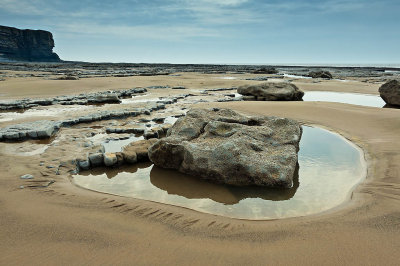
<point x="224" y="31"/>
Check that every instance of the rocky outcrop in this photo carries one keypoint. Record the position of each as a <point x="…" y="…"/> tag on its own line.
<point x="271" y="91"/>
<point x="223" y="146"/>
<point x="320" y="74"/>
<point x="32" y="130"/>
<point x="82" y="99"/>
<point x="27" y="45"/>
<point x="390" y="92"/>
<point x="266" y="70"/>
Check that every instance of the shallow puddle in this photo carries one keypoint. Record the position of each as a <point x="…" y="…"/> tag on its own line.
<point x="296" y="76"/>
<point x="29" y="147"/>
<point x="329" y="168"/>
<point x="341" y="97"/>
<point x="226" y="77"/>
<point x="118" y="144"/>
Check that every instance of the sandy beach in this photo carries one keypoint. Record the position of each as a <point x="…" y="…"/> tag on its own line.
<point x="63" y="224"/>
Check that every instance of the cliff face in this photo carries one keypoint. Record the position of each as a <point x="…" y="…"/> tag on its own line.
<point x="27" y="45"/>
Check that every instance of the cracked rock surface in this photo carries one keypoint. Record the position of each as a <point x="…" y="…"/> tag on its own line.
<point x="223" y="146"/>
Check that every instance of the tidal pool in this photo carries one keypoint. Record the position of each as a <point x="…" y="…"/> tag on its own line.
<point x="342" y="97"/>
<point x="329" y="168"/>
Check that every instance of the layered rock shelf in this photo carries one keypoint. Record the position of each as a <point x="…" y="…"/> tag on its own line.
<point x="46" y="128"/>
<point x="112" y="96"/>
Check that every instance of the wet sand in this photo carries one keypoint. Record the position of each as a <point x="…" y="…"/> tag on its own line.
<point x="16" y="88"/>
<point x="64" y="224"/>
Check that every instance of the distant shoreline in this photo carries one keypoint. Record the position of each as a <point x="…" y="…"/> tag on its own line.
<point x="394" y="67"/>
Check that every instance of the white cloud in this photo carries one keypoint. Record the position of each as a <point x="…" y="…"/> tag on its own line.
<point x="157" y="32"/>
<point x="221" y="2"/>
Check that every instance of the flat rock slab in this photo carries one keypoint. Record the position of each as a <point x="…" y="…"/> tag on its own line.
<point x="34" y="130"/>
<point x="272" y="91"/>
<point x="226" y="147"/>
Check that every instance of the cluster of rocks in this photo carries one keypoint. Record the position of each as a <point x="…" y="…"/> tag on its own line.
<point x="46" y="128"/>
<point x="390" y="92"/>
<point x="132" y="153"/>
<point x="223" y="146"/>
<point x="148" y="133"/>
<point x="82" y="99"/>
<point x="156" y="132"/>
<point x="320" y="74"/>
<point x="266" y="70"/>
<point x="271" y="91"/>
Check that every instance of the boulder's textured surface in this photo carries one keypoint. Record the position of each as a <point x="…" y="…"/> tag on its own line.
<point x="272" y="91"/>
<point x="223" y="146"/>
<point x="320" y="74"/>
<point x="27" y="45"/>
<point x="390" y="92"/>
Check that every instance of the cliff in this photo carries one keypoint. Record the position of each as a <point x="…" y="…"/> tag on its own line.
<point x="26" y="45"/>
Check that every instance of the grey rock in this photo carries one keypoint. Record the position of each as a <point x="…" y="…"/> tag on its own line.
<point x="27" y="176"/>
<point x="84" y="164"/>
<point x="96" y="159"/>
<point x="37" y="129"/>
<point x="272" y="91"/>
<point x="223" y="146"/>
<point x="390" y="92"/>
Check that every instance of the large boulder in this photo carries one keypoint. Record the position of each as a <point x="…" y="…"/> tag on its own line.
<point x="390" y="92"/>
<point x="320" y="74"/>
<point x="223" y="146"/>
<point x="272" y="91"/>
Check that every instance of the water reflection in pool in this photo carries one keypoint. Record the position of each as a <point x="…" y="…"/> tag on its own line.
<point x="341" y="97"/>
<point x="329" y="168"/>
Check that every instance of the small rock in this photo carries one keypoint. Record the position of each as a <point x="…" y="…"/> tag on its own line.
<point x="110" y="159"/>
<point x="84" y="164"/>
<point x="27" y="176"/>
<point x="96" y="159"/>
